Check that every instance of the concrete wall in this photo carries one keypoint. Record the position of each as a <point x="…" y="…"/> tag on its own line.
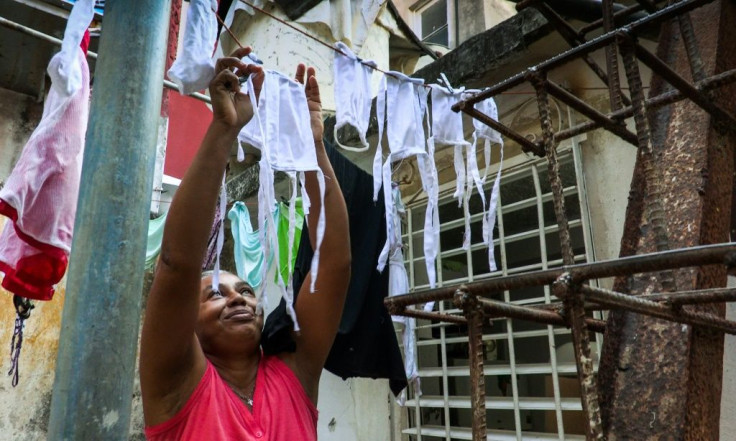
<point x="24" y="410"/>
<point x="19" y="115"/>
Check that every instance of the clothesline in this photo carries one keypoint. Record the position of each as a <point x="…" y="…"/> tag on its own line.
<point x="306" y="34"/>
<point x="323" y="43"/>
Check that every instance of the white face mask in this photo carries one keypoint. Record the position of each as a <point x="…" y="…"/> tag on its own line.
<point x="194" y="67"/>
<point x="447" y="126"/>
<point x="352" y="94"/>
<point x="281" y="129"/>
<point x="489" y="135"/>
<point x="403" y="100"/>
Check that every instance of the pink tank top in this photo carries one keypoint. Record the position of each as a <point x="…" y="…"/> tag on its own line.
<point x="281" y="410"/>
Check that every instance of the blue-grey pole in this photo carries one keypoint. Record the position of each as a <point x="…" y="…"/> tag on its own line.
<point x="95" y="367"/>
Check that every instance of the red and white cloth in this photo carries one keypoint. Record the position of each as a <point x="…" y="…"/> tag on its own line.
<point x="40" y="196"/>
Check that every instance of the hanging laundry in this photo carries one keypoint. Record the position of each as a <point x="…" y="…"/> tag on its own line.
<point x="366" y="344"/>
<point x="194" y="67"/>
<point x="286" y="267"/>
<point x="447" y="129"/>
<point x="153" y="243"/>
<point x="352" y="94"/>
<point x="402" y="103"/>
<point x="281" y="129"/>
<point x="250" y="259"/>
<point x="398" y="284"/>
<point x="488" y="135"/>
<point x="40" y="195"/>
<point x="398" y="279"/>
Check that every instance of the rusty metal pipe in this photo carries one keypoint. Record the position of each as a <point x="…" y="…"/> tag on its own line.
<point x="654" y="309"/>
<point x="694" y="297"/>
<point x="663" y="99"/>
<point x="697" y="67"/>
<point x="526" y="145"/>
<point x="584" y="108"/>
<point x="434" y="316"/>
<point x="495" y="309"/>
<point x="724" y="253"/>
<point x="592" y="45"/>
<point x="474" y="313"/>
<point x="574" y="40"/>
<point x="614" y="85"/>
<point x="574" y="301"/>
<point x="681" y="84"/>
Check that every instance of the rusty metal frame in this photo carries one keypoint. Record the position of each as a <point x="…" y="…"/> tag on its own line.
<point x="569" y="282"/>
<point x="566" y="281"/>
<point x="610" y="40"/>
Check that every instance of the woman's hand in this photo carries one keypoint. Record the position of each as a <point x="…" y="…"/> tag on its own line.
<point x="311" y="90"/>
<point x="232" y="108"/>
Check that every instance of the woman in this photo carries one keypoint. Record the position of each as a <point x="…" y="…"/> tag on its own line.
<point x="203" y="376"/>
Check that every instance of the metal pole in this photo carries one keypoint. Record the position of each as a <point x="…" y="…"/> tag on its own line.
<point x="586" y="48"/>
<point x="95" y="367"/>
<point x="670" y="97"/>
<point x="719" y="254"/>
<point x="474" y="315"/>
<point x="658" y="310"/>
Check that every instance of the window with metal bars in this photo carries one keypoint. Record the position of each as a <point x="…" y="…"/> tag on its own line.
<point x="532" y="391"/>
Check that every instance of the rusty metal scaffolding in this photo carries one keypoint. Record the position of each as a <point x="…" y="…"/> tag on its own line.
<point x="570" y="282"/>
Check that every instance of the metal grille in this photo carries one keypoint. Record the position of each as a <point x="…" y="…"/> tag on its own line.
<point x="531" y="383"/>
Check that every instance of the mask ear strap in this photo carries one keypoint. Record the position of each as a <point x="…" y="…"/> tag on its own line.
<point x="220" y="233"/>
<point x="474" y="174"/>
<point x="431" y="217"/>
<point x="460" y="172"/>
<point x="378" y="158"/>
<point x="289" y="297"/>
<point x="266" y="199"/>
<point x="321" y="223"/>
<point x="363" y="142"/>
<point x="389" y="208"/>
<point x="491" y="214"/>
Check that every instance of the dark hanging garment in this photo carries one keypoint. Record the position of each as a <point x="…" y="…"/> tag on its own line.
<point x="366" y="344"/>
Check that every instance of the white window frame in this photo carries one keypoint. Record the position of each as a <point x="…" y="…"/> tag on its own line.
<point x="421" y="6"/>
<point x="445" y="402"/>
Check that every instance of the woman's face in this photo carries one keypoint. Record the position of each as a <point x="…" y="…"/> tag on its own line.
<point x="227" y="318"/>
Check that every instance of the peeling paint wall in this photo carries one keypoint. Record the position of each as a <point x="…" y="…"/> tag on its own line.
<point x="19" y="115"/>
<point x="24" y="410"/>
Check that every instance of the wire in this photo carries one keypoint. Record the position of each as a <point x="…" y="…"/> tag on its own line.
<point x="306" y="34"/>
<point x="323" y="43"/>
<point x="227" y="28"/>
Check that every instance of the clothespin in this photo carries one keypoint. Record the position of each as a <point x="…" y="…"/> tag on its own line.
<point x="254" y="58"/>
<point x="446" y="82"/>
